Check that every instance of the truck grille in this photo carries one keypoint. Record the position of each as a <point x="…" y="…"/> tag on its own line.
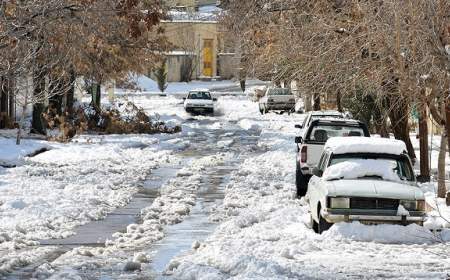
<point x="374" y="203"/>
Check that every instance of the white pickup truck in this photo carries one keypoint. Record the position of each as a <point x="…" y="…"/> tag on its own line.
<point x="277" y="99"/>
<point x="310" y="145"/>
<point x="370" y="180"/>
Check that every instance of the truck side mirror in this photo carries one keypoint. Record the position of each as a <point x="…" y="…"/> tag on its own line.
<point x="298" y="126"/>
<point x="298" y="140"/>
<point x="184" y="98"/>
<point x="214" y="99"/>
<point x="317" y="172"/>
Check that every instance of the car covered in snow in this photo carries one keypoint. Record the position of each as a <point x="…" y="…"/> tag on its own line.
<point x="277" y="99"/>
<point x="370" y="180"/>
<point x="199" y="101"/>
<point x="310" y="145"/>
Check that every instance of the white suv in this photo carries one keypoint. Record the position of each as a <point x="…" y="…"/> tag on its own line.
<point x="199" y="101"/>
<point x="277" y="99"/>
<point x="370" y="180"/>
<point x="310" y="145"/>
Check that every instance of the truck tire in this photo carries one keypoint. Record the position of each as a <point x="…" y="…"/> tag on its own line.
<point x="301" y="182"/>
<point x="323" y="225"/>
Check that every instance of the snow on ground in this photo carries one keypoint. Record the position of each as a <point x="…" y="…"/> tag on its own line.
<point x="176" y="201"/>
<point x="70" y="185"/>
<point x="435" y="142"/>
<point x="12" y="154"/>
<point x="147" y="85"/>
<point x="264" y="231"/>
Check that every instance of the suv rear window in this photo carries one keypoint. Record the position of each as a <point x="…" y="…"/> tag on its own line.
<point x="321" y="133"/>
<point x="279" y="91"/>
<point x="199" y="95"/>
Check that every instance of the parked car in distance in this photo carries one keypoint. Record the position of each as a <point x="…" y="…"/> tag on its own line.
<point x="277" y="99"/>
<point x="199" y="101"/>
<point x="370" y="180"/>
<point x="310" y="145"/>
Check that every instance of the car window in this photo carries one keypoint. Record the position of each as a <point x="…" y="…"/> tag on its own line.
<point x="401" y="166"/>
<point x="279" y="91"/>
<point x="199" y="95"/>
<point x="322" y="133"/>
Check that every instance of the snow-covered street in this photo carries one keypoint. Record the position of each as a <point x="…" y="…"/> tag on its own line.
<point x="225" y="210"/>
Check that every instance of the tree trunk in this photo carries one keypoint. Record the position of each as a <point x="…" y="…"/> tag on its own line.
<point x="338" y="101"/>
<point x="3" y="103"/>
<point x="21" y="123"/>
<point x="316" y="102"/>
<point x="380" y="123"/>
<point x="423" y="139"/>
<point x="96" y="95"/>
<point x="242" y="83"/>
<point x="12" y="107"/>
<point x="442" y="189"/>
<point x="70" y="95"/>
<point x="447" y="121"/>
<point x="400" y="124"/>
<point x="308" y="101"/>
<point x="37" y="124"/>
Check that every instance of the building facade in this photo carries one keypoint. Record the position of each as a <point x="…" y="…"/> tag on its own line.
<point x="199" y="49"/>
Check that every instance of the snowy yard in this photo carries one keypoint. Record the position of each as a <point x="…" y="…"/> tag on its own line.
<point x="260" y="231"/>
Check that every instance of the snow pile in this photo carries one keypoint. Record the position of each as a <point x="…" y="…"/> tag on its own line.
<point x="265" y="231"/>
<point x="344" y="145"/>
<point x="13" y="155"/>
<point x="148" y="85"/>
<point x="177" y="198"/>
<point x="358" y="168"/>
<point x="249" y="124"/>
<point x="387" y="234"/>
<point x="66" y="187"/>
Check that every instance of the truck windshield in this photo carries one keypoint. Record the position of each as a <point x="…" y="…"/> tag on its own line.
<point x="279" y="91"/>
<point x="199" y="95"/>
<point x="401" y="166"/>
<point x="321" y="133"/>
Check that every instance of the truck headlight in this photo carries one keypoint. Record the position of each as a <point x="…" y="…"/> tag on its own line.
<point x="421" y="205"/>
<point x="411" y="205"/>
<point x="339" y="202"/>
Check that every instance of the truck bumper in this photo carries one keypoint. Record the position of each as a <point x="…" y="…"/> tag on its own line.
<point x="281" y="106"/>
<point x="200" y="110"/>
<point x="372" y="216"/>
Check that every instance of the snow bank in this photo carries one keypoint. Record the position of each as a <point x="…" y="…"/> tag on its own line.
<point x="387" y="234"/>
<point x="264" y="231"/>
<point x="358" y="168"/>
<point x="343" y="145"/>
<point x="146" y="84"/>
<point x="68" y="186"/>
<point x="13" y="155"/>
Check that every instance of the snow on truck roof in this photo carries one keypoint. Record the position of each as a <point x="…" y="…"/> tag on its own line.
<point x="346" y="145"/>
<point x="335" y="119"/>
<point x="329" y="112"/>
<point x="199" y="89"/>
